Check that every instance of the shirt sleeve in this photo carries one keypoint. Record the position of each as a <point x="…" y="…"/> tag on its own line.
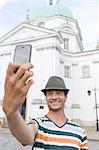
<point x="84" y="142"/>
<point x="35" y="123"/>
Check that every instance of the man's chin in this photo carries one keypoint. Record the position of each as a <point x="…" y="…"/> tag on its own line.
<point x="54" y="109"/>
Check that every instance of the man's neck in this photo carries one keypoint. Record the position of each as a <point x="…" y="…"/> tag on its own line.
<point x="58" y="117"/>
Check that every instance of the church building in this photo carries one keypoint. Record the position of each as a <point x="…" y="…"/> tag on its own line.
<point x="57" y="49"/>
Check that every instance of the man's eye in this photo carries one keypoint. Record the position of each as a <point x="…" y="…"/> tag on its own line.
<point x="58" y="92"/>
<point x="49" y="93"/>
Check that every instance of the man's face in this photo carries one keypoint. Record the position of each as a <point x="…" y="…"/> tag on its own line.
<point x="55" y="100"/>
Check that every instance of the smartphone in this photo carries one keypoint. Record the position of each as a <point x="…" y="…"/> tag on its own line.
<point x="22" y="54"/>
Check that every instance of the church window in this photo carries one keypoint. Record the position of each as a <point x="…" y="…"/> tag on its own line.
<point x="67" y="70"/>
<point x="85" y="71"/>
<point x="66" y="44"/>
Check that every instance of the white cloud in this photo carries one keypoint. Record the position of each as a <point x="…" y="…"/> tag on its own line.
<point x="2" y="3"/>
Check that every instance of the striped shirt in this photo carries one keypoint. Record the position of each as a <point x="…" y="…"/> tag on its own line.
<point x="50" y="136"/>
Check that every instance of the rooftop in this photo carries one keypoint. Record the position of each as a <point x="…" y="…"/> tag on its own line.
<point x="51" y="10"/>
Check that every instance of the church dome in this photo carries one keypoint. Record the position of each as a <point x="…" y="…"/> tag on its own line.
<point x="50" y="11"/>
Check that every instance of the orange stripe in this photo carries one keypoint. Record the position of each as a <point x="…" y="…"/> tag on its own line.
<point x="59" y="140"/>
<point x="84" y="145"/>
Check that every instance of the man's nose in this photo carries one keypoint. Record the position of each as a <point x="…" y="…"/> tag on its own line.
<point x="54" y="96"/>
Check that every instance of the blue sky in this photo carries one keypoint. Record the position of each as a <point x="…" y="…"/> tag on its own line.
<point x="13" y="12"/>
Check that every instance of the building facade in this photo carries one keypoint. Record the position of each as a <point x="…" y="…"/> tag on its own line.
<point x="57" y="49"/>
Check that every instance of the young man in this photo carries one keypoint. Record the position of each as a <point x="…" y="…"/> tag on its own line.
<point x="53" y="131"/>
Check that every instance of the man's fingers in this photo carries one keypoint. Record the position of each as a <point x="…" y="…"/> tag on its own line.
<point x="22" y="69"/>
<point x="12" y="68"/>
<point x="27" y="85"/>
<point x="26" y="76"/>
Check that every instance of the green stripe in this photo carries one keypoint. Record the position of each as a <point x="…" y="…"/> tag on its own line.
<point x="72" y="124"/>
<point x="84" y="139"/>
<point x="84" y="149"/>
<point x="53" y="147"/>
<point x="59" y="132"/>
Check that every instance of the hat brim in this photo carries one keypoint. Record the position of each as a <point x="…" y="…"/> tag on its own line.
<point x="56" y="89"/>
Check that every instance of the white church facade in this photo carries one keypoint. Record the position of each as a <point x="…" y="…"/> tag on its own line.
<point x="57" y="49"/>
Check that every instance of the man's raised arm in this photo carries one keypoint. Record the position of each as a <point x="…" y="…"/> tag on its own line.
<point x="17" y="84"/>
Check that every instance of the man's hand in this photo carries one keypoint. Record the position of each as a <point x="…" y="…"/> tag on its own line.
<point x="16" y="86"/>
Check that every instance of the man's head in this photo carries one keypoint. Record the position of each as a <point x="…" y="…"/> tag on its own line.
<point x="56" y="93"/>
<point x="55" y="83"/>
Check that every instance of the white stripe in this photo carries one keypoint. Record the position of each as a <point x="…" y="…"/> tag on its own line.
<point x="36" y="148"/>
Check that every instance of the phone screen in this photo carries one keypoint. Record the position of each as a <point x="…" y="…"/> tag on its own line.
<point x="22" y="54"/>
